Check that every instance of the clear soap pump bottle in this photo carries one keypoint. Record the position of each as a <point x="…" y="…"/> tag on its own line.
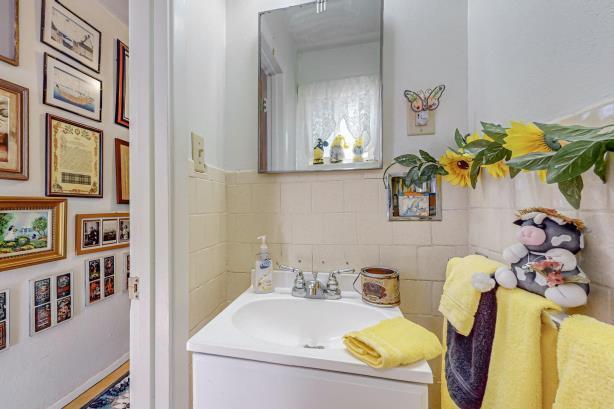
<point x="262" y="277"/>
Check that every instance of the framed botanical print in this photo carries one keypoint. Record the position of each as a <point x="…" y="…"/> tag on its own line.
<point x="51" y="301"/>
<point x="101" y="232"/>
<point x="70" y="34"/>
<point x="122" y="171"/>
<point x="71" y="89"/>
<point x="13" y="131"/>
<point x="32" y="231"/>
<point x="5" y="306"/>
<point x="122" y="86"/>
<point x="74" y="159"/>
<point x="9" y="31"/>
<point x="99" y="279"/>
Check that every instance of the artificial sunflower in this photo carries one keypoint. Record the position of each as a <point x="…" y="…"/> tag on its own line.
<point x="496" y="170"/>
<point x="458" y="167"/>
<point x="523" y="139"/>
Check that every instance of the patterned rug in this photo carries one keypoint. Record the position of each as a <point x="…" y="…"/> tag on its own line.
<point x="117" y="396"/>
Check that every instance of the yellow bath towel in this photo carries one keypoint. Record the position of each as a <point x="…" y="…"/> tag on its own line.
<point x="459" y="301"/>
<point x="585" y="364"/>
<point x="522" y="370"/>
<point x="392" y="342"/>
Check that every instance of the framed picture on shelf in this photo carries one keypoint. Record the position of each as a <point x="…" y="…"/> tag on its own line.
<point x="5" y="306"/>
<point x="13" y="131"/>
<point x="122" y="86"/>
<point x="74" y="159"/>
<point x="32" y="231"/>
<point x="9" y="31"/>
<point x="100" y="232"/>
<point x="99" y="279"/>
<point x="70" y="89"/>
<point x="68" y="33"/>
<point x="51" y="301"/>
<point x="122" y="171"/>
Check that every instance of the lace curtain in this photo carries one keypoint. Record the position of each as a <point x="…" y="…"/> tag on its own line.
<point x="322" y="107"/>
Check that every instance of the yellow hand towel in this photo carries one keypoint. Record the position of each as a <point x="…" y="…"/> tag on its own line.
<point x="522" y="370"/>
<point x="459" y="301"/>
<point x="392" y="343"/>
<point x="585" y="364"/>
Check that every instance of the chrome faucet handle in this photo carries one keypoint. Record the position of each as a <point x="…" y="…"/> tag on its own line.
<point x="284" y="267"/>
<point x="332" y="291"/>
<point x="314" y="274"/>
<point x="344" y="271"/>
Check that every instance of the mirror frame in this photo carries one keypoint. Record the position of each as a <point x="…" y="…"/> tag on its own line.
<point x="262" y="151"/>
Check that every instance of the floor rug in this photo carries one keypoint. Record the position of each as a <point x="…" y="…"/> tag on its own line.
<point x="116" y="396"/>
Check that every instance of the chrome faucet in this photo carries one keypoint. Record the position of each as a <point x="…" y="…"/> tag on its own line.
<point x="313" y="288"/>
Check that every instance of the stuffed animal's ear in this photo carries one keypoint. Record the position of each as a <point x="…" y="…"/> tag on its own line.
<point x="518" y="222"/>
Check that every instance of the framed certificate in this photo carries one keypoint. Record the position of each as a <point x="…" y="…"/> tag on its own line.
<point x="74" y="159"/>
<point x="122" y="171"/>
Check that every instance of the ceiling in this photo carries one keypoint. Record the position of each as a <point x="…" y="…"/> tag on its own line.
<point x="119" y="8"/>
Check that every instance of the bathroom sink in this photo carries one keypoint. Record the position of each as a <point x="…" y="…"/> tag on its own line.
<point x="303" y="323"/>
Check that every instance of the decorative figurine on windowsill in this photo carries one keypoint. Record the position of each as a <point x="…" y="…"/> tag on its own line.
<point x="544" y="261"/>
<point x="337" y="153"/>
<point x="318" y="152"/>
<point x="358" y="149"/>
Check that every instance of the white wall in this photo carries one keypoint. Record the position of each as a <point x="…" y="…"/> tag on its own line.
<point x="37" y="371"/>
<point x="538" y="60"/>
<point x="425" y="44"/>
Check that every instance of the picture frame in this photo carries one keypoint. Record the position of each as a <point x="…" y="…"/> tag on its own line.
<point x="32" y="231"/>
<point x="66" y="32"/>
<point x="9" y="32"/>
<point x="122" y="171"/>
<point x="126" y="262"/>
<point x="68" y="88"/>
<point x="122" y="88"/>
<point x="51" y="301"/>
<point x="68" y="172"/>
<point x="14" y="131"/>
<point x="100" y="279"/>
<point x="5" y="319"/>
<point x="90" y="232"/>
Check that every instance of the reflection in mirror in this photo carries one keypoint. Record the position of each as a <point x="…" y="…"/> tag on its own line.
<point x="320" y="87"/>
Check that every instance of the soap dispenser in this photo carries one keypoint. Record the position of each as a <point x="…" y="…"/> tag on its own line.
<point x="262" y="277"/>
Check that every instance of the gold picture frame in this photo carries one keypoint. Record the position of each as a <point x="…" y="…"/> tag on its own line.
<point x="93" y="232"/>
<point x="12" y="42"/>
<point x="122" y="171"/>
<point x="32" y="231"/>
<point x="14" y="118"/>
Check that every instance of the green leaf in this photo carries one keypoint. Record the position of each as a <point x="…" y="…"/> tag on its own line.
<point x="476" y="165"/>
<point x="572" y="190"/>
<point x="412" y="176"/>
<point x="408" y="160"/>
<point x="532" y="161"/>
<point x="496" y="132"/>
<point x="494" y="153"/>
<point x="573" y="160"/>
<point x="600" y="168"/>
<point x="459" y="139"/>
<point x="567" y="132"/>
<point x="427" y="157"/>
<point x="514" y="172"/>
<point x="427" y="172"/>
<point x="476" y="146"/>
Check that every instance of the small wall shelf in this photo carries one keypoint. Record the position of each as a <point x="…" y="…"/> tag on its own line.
<point x="411" y="202"/>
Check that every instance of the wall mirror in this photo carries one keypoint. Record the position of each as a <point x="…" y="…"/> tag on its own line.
<point x="320" y="87"/>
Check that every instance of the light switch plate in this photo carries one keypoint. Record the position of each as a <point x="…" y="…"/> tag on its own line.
<point x="198" y="152"/>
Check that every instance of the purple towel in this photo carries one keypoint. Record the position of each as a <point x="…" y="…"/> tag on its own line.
<point x="468" y="357"/>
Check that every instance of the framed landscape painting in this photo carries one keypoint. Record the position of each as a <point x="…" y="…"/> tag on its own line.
<point x="32" y="231"/>
<point x="101" y="232"/>
<point x="122" y="86"/>
<point x="74" y="159"/>
<point x="71" y="89"/>
<point x="13" y="131"/>
<point x="70" y="34"/>
<point x="9" y="31"/>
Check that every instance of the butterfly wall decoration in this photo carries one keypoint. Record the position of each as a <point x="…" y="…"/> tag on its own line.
<point x="421" y="115"/>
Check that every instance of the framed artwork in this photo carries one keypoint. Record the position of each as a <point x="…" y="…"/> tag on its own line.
<point x="122" y="86"/>
<point x="99" y="279"/>
<point x="101" y="232"/>
<point x="9" y="31"/>
<point x="5" y="306"/>
<point x="74" y="159"/>
<point x="68" y="88"/>
<point x="122" y="171"/>
<point x="51" y="301"/>
<point x="126" y="257"/>
<point x="32" y="231"/>
<point x="68" y="33"/>
<point x="13" y="131"/>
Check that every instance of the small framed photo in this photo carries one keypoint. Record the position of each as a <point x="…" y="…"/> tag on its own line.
<point x="51" y="301"/>
<point x="109" y="231"/>
<point x="13" y="130"/>
<point x="68" y="88"/>
<point x="109" y="266"/>
<point x="126" y="257"/>
<point x="122" y="171"/>
<point x="68" y="33"/>
<point x="93" y="292"/>
<point x="74" y="159"/>
<point x="99" y="279"/>
<point x="101" y="231"/>
<point x="9" y="31"/>
<point x="109" y="286"/>
<point x="64" y="297"/>
<point x="5" y="338"/>
<point x="122" y="89"/>
<point x="93" y="269"/>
